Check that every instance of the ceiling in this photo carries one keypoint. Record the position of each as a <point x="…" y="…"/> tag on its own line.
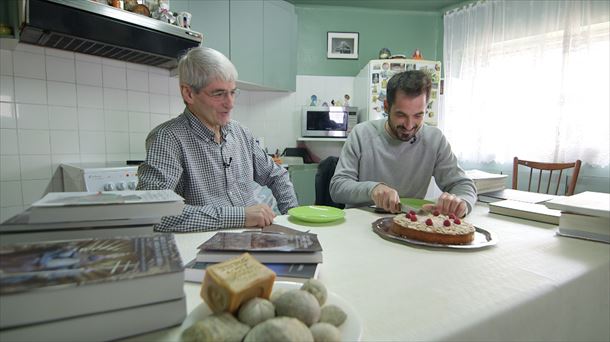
<point x="404" y="5"/>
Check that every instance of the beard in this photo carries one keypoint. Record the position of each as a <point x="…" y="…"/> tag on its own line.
<point x="400" y="132"/>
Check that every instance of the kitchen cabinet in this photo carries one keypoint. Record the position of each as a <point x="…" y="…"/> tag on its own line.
<point x="280" y="35"/>
<point x="303" y="178"/>
<point x="247" y="39"/>
<point x="211" y="18"/>
<point x="259" y="36"/>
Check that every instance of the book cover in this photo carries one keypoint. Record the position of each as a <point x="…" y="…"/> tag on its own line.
<point x="586" y="203"/>
<point x="524" y="210"/>
<point x="78" y="276"/>
<point x="261" y="242"/>
<point x="195" y="270"/>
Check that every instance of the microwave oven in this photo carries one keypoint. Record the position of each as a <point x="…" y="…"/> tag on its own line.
<point x="328" y="122"/>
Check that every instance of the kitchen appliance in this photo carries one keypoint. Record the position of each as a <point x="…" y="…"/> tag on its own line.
<point x="329" y="122"/>
<point x="98" y="29"/>
<point x="109" y="176"/>
<point x="371" y="83"/>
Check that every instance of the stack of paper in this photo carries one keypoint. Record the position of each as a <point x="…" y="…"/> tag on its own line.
<point x="485" y="181"/>
<point x="585" y="215"/>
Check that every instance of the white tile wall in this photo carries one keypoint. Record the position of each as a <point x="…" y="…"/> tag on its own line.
<point x="58" y="107"/>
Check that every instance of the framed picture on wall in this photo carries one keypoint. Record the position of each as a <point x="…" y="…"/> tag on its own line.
<point x="342" y="45"/>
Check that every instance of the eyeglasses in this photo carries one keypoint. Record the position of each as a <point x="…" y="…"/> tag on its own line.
<point x="222" y="94"/>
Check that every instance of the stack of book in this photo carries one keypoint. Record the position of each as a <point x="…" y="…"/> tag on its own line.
<point x="90" y="289"/>
<point x="486" y="182"/>
<point x="291" y="254"/>
<point x="585" y="215"/>
<point x="67" y="215"/>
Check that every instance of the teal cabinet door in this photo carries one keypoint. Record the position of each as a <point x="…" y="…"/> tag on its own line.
<point x="246" y="39"/>
<point x="280" y="35"/>
<point x="303" y="177"/>
<point x="211" y="18"/>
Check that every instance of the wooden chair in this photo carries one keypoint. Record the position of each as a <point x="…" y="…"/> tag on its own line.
<point x="540" y="167"/>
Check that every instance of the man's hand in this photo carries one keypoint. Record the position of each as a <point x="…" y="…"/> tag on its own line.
<point x="448" y="204"/>
<point x="259" y="215"/>
<point x="386" y="198"/>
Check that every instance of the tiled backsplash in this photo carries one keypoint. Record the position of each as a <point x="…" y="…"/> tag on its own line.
<point x="58" y="106"/>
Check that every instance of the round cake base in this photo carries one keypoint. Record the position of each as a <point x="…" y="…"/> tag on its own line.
<point x="443" y="239"/>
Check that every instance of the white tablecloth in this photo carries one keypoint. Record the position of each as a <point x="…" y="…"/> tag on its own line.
<point x="533" y="285"/>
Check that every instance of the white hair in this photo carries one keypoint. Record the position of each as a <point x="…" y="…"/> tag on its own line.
<point x="200" y="66"/>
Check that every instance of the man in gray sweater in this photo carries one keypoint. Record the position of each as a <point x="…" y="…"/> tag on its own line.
<point x="383" y="160"/>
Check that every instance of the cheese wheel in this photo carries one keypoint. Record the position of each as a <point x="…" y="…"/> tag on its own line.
<point x="228" y="284"/>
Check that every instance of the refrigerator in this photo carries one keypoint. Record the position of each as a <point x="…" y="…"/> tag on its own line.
<point x="371" y="82"/>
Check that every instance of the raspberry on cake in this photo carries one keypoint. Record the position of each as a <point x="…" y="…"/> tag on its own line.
<point x="434" y="228"/>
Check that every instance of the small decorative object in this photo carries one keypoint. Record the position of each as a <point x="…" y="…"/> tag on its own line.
<point x="128" y="5"/>
<point x="325" y="104"/>
<point x="384" y="53"/>
<point x="184" y="20"/>
<point x="417" y="54"/>
<point x="342" y="45"/>
<point x="163" y="13"/>
<point x="141" y="9"/>
<point x="332" y="102"/>
<point x="346" y="97"/>
<point x="314" y="101"/>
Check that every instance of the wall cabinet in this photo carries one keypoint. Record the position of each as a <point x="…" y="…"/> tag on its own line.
<point x="259" y="36"/>
<point x="303" y="178"/>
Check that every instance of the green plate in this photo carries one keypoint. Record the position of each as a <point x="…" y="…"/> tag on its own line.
<point x="414" y="203"/>
<point x="316" y="213"/>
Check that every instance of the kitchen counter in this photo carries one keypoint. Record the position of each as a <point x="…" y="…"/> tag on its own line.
<point x="533" y="285"/>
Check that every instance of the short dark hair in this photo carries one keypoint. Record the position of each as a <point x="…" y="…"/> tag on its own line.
<point x="413" y="83"/>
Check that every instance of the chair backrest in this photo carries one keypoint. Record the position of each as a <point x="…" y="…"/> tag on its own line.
<point x="326" y="170"/>
<point x="550" y="167"/>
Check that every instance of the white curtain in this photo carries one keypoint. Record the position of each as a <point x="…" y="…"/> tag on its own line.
<point x="528" y="79"/>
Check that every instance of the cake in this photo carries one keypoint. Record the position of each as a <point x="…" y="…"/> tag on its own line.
<point x="433" y="228"/>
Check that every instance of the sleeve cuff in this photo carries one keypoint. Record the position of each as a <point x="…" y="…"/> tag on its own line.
<point x="233" y="217"/>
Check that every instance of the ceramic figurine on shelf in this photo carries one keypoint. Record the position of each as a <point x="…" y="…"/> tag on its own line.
<point x="332" y="102"/>
<point x="184" y="20"/>
<point x="384" y="53"/>
<point x="417" y="54"/>
<point x="346" y="97"/>
<point x="164" y="14"/>
<point x="314" y="101"/>
<point x="325" y="104"/>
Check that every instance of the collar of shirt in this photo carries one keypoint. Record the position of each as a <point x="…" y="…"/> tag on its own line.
<point x="202" y="130"/>
<point x="383" y="131"/>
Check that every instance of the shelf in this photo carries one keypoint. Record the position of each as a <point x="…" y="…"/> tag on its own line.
<point x="321" y="139"/>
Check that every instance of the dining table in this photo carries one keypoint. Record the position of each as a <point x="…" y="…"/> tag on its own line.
<point x="528" y="284"/>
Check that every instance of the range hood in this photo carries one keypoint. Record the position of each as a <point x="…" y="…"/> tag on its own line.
<point x="97" y="29"/>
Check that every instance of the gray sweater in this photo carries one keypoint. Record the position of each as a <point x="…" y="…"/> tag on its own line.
<point x="371" y="156"/>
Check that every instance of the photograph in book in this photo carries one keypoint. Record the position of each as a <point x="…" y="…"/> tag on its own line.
<point x="262" y="242"/>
